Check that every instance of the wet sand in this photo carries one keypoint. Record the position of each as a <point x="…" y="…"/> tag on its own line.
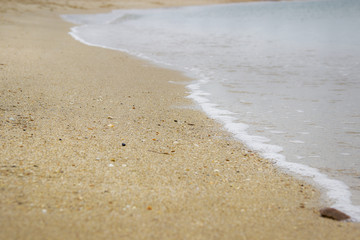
<point x="96" y="144"/>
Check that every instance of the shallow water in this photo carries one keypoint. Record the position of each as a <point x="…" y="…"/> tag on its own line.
<point x="282" y="76"/>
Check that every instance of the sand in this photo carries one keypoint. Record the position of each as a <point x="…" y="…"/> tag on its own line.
<point x="66" y="112"/>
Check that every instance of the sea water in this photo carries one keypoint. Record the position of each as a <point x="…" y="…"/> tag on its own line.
<point x="283" y="77"/>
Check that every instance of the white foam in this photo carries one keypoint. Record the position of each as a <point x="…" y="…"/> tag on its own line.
<point x="297" y="141"/>
<point x="277" y="132"/>
<point x="345" y="154"/>
<point x="303" y="133"/>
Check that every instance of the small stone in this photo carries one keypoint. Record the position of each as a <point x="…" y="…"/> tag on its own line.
<point x="111" y="125"/>
<point x="111" y="165"/>
<point x="123" y="144"/>
<point x="149" y="208"/>
<point x="334" y="214"/>
<point x="110" y="117"/>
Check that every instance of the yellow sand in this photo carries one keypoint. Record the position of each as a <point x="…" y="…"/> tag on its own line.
<point x="65" y="110"/>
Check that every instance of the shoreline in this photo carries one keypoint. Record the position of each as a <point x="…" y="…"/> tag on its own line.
<point x="334" y="192"/>
<point x="66" y="174"/>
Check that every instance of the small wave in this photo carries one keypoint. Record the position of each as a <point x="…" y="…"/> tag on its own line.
<point x="124" y="18"/>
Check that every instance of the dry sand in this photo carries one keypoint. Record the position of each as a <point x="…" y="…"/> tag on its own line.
<point x="65" y="110"/>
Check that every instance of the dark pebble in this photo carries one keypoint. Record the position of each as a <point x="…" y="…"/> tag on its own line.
<point x="333" y="214"/>
<point x="123" y="144"/>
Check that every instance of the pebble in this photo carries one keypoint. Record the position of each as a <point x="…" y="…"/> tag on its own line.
<point x="127" y="207"/>
<point x="334" y="214"/>
<point x="123" y="144"/>
<point x="111" y="165"/>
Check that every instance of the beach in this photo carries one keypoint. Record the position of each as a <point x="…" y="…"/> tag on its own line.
<point x="96" y="144"/>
